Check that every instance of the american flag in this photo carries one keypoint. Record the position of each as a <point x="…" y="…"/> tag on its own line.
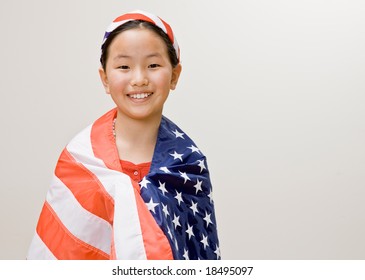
<point x="178" y="193"/>
<point x="95" y="211"/>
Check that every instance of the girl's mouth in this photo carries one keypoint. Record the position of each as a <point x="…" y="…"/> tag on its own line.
<point x="139" y="95"/>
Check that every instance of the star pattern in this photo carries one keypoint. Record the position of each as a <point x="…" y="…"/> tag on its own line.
<point x="162" y="188"/>
<point x="210" y="195"/>
<point x="165" y="210"/>
<point x="178" y="193"/>
<point x="164" y="169"/>
<point x="207" y="219"/>
<point x="176" y="221"/>
<point x="189" y="231"/>
<point x="198" y="186"/>
<point x="185" y="176"/>
<point x="194" y="208"/>
<point x="194" y="149"/>
<point x="144" y="183"/>
<point x="204" y="241"/>
<point x="177" y="155"/>
<point x="151" y="205"/>
<point x="217" y="252"/>
<point x="179" y="197"/>
<point x="201" y="165"/>
<point x="178" y="134"/>
<point x="186" y="254"/>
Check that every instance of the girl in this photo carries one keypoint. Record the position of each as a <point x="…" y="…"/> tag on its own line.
<point x="132" y="185"/>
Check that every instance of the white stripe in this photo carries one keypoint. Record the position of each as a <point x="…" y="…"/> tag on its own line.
<point x="38" y="250"/>
<point x="156" y="19"/>
<point x="115" y="25"/>
<point x="81" y="223"/>
<point x="126" y="229"/>
<point x="128" y="238"/>
<point x="177" y="48"/>
<point x="80" y="148"/>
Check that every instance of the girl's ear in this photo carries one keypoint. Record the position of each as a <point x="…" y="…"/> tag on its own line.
<point x="175" y="76"/>
<point x="104" y="79"/>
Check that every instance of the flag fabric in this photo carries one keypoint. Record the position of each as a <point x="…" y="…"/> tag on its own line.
<point x="94" y="211"/>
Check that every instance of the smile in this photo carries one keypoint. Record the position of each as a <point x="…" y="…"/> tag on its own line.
<point x="139" y="95"/>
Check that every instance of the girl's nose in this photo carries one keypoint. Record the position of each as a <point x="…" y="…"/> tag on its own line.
<point x="139" y="78"/>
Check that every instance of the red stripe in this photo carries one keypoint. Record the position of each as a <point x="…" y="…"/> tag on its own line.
<point x="169" y="31"/>
<point x="61" y="242"/>
<point x="146" y="18"/>
<point x="134" y="17"/>
<point x="156" y="244"/>
<point x="85" y="186"/>
<point x="104" y="147"/>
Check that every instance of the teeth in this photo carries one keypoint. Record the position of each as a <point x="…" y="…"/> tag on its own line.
<point x="140" y="95"/>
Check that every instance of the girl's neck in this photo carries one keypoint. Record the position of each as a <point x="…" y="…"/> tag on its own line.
<point x="136" y="139"/>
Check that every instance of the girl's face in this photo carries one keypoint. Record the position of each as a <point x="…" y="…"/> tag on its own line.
<point x="138" y="74"/>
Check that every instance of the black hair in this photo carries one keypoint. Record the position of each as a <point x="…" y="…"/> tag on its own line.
<point x="138" y="24"/>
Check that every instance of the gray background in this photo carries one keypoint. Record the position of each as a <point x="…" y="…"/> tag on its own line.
<point x="271" y="91"/>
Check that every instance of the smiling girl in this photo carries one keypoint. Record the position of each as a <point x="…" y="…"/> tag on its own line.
<point x="132" y="185"/>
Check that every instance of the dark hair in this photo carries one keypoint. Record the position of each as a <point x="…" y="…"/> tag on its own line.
<point x="138" y="24"/>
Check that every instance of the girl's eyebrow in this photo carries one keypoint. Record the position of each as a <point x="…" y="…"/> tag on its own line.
<point x="156" y="54"/>
<point x="119" y="56"/>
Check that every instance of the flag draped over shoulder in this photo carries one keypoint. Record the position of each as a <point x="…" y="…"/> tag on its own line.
<point x="95" y="211"/>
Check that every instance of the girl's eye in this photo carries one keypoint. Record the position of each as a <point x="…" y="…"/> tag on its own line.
<point x="123" y="67"/>
<point x="154" y="65"/>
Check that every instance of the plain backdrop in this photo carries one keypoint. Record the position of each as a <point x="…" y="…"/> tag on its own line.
<point x="273" y="92"/>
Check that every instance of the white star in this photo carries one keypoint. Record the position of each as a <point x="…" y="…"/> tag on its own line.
<point x="194" y="207"/>
<point x="207" y="218"/>
<point x="179" y="197"/>
<point x="189" y="231"/>
<point x="164" y="169"/>
<point x="217" y="252"/>
<point x="144" y="183"/>
<point x="210" y="195"/>
<point x="185" y="176"/>
<point x="176" y="222"/>
<point x="151" y="205"/>
<point x="169" y="233"/>
<point x="205" y="241"/>
<point x="194" y="149"/>
<point x="198" y="186"/>
<point x="178" y="134"/>
<point x="176" y="245"/>
<point x="201" y="165"/>
<point x="165" y="210"/>
<point x="177" y="156"/>
<point x="162" y="188"/>
<point x="186" y="255"/>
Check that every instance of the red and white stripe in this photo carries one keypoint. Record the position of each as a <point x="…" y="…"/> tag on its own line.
<point x="93" y="210"/>
<point x="142" y="15"/>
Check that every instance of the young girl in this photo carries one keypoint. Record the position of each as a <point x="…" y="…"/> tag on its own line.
<point x="132" y="185"/>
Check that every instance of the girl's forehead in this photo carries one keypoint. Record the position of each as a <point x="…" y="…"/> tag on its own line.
<point x="138" y="37"/>
<point x="137" y="41"/>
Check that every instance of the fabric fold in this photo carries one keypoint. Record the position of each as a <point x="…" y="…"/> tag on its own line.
<point x="168" y="215"/>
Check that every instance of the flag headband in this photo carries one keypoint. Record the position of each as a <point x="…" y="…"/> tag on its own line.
<point x="141" y="15"/>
